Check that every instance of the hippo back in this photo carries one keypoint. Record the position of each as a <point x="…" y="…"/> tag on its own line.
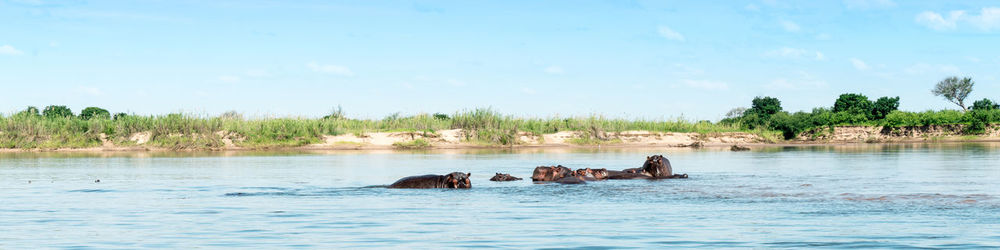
<point x="422" y="181"/>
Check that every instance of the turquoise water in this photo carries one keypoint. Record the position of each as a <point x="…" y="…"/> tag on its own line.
<point x="910" y="195"/>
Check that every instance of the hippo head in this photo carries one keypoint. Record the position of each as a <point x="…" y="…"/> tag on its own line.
<point x="457" y="180"/>
<point x="600" y="173"/>
<point x="584" y="172"/>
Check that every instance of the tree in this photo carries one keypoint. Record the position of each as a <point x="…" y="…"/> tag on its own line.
<point x="854" y="104"/>
<point x="765" y="106"/>
<point x="120" y="116"/>
<point x="883" y="106"/>
<point x="94" y="113"/>
<point x="735" y="113"/>
<point x="53" y="111"/>
<point x="985" y="104"/>
<point x="30" y="111"/>
<point x="954" y="90"/>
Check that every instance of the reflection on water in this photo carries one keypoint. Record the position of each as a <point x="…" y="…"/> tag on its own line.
<point x="865" y="195"/>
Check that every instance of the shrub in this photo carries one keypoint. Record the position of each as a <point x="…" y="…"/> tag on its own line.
<point x="883" y="106"/>
<point x="854" y="104"/>
<point x="94" y="113"/>
<point x="765" y="106"/>
<point x="119" y="116"/>
<point x="441" y="116"/>
<point x="984" y="104"/>
<point x="30" y="111"/>
<point x="54" y="111"/>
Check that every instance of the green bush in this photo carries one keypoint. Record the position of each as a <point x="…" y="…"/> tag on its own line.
<point x="30" y="111"/>
<point x="985" y="104"/>
<point x="854" y="104"/>
<point x="441" y="116"/>
<point x="765" y="106"/>
<point x="94" y="113"/>
<point x="54" y="111"/>
<point x="883" y="106"/>
<point x="120" y="116"/>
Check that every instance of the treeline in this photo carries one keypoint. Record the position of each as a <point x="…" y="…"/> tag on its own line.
<point x="857" y="109"/>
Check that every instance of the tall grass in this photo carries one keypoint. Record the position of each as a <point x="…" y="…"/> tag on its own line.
<point x="181" y="131"/>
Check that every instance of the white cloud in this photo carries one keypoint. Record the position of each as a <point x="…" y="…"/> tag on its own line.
<point x="705" y="84"/>
<point x="229" y="79"/>
<point x="529" y="91"/>
<point x="823" y="36"/>
<point x="859" y="64"/>
<point x="668" y="33"/>
<point x="869" y="4"/>
<point x="9" y="50"/>
<point x="988" y="19"/>
<point x="935" y="21"/>
<point x="790" y="26"/>
<point x="554" y="70"/>
<point x="796" y="53"/>
<point x="330" y="69"/>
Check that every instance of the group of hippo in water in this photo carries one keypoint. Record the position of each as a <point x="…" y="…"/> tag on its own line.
<point x="655" y="167"/>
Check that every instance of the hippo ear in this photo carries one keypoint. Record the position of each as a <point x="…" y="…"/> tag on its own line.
<point x="468" y="174"/>
<point x="647" y="158"/>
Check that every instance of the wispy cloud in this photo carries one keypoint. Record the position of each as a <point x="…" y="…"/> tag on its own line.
<point x="796" y="53"/>
<point x="330" y="69"/>
<point x="705" y="84"/>
<point x="555" y="70"/>
<point x="752" y="7"/>
<point x="529" y="91"/>
<point x="668" y="33"/>
<point x="9" y="50"/>
<point x="859" y="64"/>
<point x="790" y="26"/>
<point x="988" y="19"/>
<point x="869" y="4"/>
<point x="229" y="79"/>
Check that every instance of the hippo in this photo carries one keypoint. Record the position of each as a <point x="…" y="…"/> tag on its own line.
<point x="452" y="180"/>
<point x="589" y="174"/>
<point x="599" y="173"/>
<point x="504" y="177"/>
<point x="571" y="179"/>
<point x="550" y="173"/>
<point x="657" y="166"/>
<point x="622" y="175"/>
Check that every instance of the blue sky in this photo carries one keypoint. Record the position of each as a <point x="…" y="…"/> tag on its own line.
<point x="634" y="59"/>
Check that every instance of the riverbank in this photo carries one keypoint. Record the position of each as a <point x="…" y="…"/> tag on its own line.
<point x="459" y="139"/>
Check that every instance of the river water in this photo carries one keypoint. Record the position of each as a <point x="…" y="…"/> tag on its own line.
<point x="907" y="195"/>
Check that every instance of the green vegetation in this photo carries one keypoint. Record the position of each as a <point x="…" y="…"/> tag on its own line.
<point x="56" y="129"/>
<point x="414" y="144"/>
<point x="853" y="109"/>
<point x="94" y="113"/>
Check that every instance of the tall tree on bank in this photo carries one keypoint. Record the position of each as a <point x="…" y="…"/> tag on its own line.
<point x="954" y="90"/>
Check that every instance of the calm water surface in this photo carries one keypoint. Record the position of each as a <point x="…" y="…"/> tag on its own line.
<point x="913" y="195"/>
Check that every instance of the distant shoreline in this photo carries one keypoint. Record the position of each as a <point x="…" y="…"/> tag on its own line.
<point x="634" y="139"/>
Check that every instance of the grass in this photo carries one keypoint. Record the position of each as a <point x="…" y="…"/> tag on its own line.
<point x="414" y="144"/>
<point x="184" y="131"/>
